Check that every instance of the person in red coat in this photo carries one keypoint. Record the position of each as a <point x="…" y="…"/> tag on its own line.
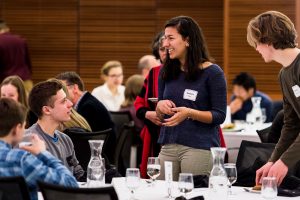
<point x="145" y="109"/>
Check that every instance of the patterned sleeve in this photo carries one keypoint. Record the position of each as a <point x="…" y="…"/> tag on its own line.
<point x="47" y="168"/>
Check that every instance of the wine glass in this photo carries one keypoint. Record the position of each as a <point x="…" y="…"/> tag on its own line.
<point x="153" y="168"/>
<point x="185" y="183"/>
<point x="231" y="172"/>
<point x="132" y="180"/>
<point x="269" y="188"/>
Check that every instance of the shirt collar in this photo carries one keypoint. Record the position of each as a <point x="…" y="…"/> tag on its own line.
<point x="107" y="91"/>
<point x="76" y="105"/>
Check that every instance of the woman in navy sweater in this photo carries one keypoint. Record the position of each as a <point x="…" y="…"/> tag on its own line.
<point x="192" y="100"/>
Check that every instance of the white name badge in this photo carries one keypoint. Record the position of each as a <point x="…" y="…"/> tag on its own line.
<point x="296" y="90"/>
<point x="190" y="94"/>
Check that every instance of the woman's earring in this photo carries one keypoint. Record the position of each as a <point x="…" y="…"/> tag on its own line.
<point x="187" y="44"/>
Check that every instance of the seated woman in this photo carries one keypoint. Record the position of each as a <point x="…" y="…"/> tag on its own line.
<point x="111" y="93"/>
<point x="133" y="87"/>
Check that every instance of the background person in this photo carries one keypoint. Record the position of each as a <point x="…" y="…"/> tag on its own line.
<point x="145" y="109"/>
<point x="111" y="93"/>
<point x="146" y="63"/>
<point x="244" y="87"/>
<point x="14" y="56"/>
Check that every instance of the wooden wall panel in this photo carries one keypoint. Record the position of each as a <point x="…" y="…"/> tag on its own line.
<point x="242" y="57"/>
<point x="114" y="30"/>
<point x="50" y="28"/>
<point x="81" y="35"/>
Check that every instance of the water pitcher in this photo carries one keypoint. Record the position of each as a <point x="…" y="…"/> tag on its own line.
<point x="96" y="166"/>
<point x="255" y="115"/>
<point x="218" y="181"/>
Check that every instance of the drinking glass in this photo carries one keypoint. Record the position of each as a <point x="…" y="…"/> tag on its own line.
<point x="269" y="188"/>
<point x="153" y="168"/>
<point x="132" y="180"/>
<point x="231" y="172"/>
<point x="26" y="140"/>
<point x="185" y="183"/>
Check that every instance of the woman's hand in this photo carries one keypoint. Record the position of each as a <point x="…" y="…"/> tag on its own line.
<point x="181" y="113"/>
<point x="151" y="115"/>
<point x="165" y="107"/>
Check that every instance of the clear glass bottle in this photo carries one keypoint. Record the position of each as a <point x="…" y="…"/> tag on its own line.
<point x="96" y="166"/>
<point x="255" y="115"/>
<point x="218" y="181"/>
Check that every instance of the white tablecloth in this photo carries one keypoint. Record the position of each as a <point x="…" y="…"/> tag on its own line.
<point x="159" y="192"/>
<point x="233" y="138"/>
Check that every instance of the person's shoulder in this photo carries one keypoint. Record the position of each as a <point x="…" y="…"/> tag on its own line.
<point x="263" y="95"/>
<point x="212" y="68"/>
<point x="89" y="100"/>
<point x="62" y="136"/>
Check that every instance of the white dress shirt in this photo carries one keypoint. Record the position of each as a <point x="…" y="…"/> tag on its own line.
<point x="110" y="101"/>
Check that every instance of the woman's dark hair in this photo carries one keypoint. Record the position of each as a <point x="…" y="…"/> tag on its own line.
<point x="197" y="51"/>
<point x="156" y="44"/>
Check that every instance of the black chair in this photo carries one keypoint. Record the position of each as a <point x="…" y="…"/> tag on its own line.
<point x="57" y="192"/>
<point x="13" y="188"/>
<point x="264" y="134"/>
<point x="251" y="156"/>
<point x="82" y="147"/>
<point x="123" y="148"/>
<point x="120" y="118"/>
<point x="276" y="107"/>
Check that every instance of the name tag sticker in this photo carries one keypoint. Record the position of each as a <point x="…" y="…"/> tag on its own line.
<point x="296" y="90"/>
<point x="191" y="94"/>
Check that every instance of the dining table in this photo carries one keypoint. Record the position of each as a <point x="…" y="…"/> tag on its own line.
<point x="239" y="132"/>
<point x="159" y="191"/>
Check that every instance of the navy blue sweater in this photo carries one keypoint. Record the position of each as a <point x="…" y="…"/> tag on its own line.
<point x="210" y="87"/>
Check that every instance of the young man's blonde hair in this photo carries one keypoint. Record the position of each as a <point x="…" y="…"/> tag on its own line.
<point x="273" y="28"/>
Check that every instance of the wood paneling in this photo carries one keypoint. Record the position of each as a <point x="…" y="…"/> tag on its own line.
<point x="114" y="30"/>
<point x="50" y="28"/>
<point x="82" y="35"/>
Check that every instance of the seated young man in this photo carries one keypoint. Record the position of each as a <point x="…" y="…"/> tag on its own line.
<point x="32" y="162"/>
<point x="49" y="103"/>
<point x="244" y="87"/>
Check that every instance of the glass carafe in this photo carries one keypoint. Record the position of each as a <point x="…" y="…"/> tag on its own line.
<point x="255" y="115"/>
<point x="96" y="166"/>
<point x="218" y="181"/>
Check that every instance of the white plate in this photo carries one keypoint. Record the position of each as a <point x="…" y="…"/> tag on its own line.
<point x="251" y="190"/>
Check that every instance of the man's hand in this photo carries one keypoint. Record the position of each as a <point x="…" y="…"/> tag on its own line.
<point x="262" y="172"/>
<point x="236" y="105"/>
<point x="37" y="146"/>
<point x="278" y="170"/>
<point x="151" y="115"/>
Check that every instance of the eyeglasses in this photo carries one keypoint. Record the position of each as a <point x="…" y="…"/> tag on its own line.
<point x="115" y="75"/>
